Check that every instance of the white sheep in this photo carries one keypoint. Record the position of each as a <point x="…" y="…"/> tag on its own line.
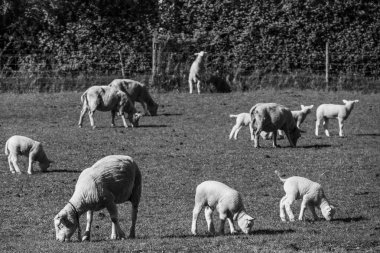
<point x="270" y="117"/>
<point x="21" y="145"/>
<point x="196" y="74"/>
<point x="106" y="98"/>
<point x="242" y="119"/>
<point x="227" y="201"/>
<point x="137" y="92"/>
<point x="331" y="111"/>
<point x="312" y="196"/>
<point x="112" y="180"/>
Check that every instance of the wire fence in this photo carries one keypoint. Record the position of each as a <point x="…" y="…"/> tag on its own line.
<point x="77" y="70"/>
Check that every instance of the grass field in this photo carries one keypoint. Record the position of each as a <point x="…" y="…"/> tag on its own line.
<point x="186" y="144"/>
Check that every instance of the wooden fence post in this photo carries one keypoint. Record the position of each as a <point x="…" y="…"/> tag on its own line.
<point x="327" y="65"/>
<point x="155" y="48"/>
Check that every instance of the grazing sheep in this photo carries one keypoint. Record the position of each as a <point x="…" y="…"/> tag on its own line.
<point x="112" y="180"/>
<point x="196" y="74"/>
<point x="298" y="116"/>
<point x="137" y="92"/>
<point x="105" y="98"/>
<point x="312" y="196"/>
<point x="242" y="119"/>
<point x="270" y="117"/>
<point x="330" y="111"/>
<point x="21" y="145"/>
<point x="227" y="201"/>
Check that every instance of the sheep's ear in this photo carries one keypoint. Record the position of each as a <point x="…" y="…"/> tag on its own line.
<point x="356" y="101"/>
<point x="302" y="106"/>
<point x="250" y="219"/>
<point x="344" y="101"/>
<point x="196" y="53"/>
<point x="51" y="161"/>
<point x="311" y="106"/>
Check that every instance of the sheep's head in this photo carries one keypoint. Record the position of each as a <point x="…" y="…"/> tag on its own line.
<point x="328" y="212"/>
<point x="295" y="134"/>
<point x="45" y="165"/>
<point x="65" y="226"/>
<point x="350" y="103"/>
<point x="245" y="223"/>
<point x="307" y="109"/>
<point x="134" y="118"/>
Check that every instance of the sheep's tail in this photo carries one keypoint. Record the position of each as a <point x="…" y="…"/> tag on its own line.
<point x="279" y="176"/>
<point x="83" y="98"/>
<point x="233" y="116"/>
<point x="6" y="148"/>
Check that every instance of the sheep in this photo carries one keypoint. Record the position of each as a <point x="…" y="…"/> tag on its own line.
<point x="270" y="117"/>
<point x="196" y="74"/>
<point x="312" y="196"/>
<point x="21" y="145"/>
<point x="112" y="180"/>
<point x="298" y="116"/>
<point x="137" y="92"/>
<point x="227" y="201"/>
<point x="105" y="98"/>
<point x="330" y="111"/>
<point x="242" y="119"/>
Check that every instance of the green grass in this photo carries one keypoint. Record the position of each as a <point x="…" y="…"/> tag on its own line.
<point x="184" y="145"/>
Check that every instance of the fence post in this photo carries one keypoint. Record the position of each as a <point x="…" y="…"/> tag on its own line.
<point x="155" y="47"/>
<point x="122" y="65"/>
<point x="327" y="65"/>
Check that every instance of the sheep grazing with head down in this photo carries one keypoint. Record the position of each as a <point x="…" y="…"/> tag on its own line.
<point x="312" y="196"/>
<point x="196" y="74"/>
<point x="227" y="201"/>
<point x="112" y="180"/>
<point x="331" y="111"/>
<point x="105" y="98"/>
<point x="137" y="92"/>
<point x="270" y="117"/>
<point x="21" y="145"/>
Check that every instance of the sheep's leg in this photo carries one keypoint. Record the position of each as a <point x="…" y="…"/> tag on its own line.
<point x="82" y="113"/>
<point x="197" y="209"/>
<point x="113" y="114"/>
<point x="30" y="163"/>
<point x="281" y="134"/>
<point x="282" y="209"/>
<point x="86" y="236"/>
<point x="251" y="130"/>
<point x="256" y="139"/>
<point x="14" y="162"/>
<point x="275" y="139"/>
<point x="236" y="132"/>
<point x="91" y="116"/>
<point x="340" y="121"/>
<point x="287" y="203"/>
<point x="317" y="122"/>
<point x="312" y="210"/>
<point x="132" y="229"/>
<point x="11" y="168"/>
<point x="124" y="121"/>
<point x="289" y="138"/>
<point x="326" y="126"/>
<point x="303" y="207"/>
<point x="145" y="108"/>
<point x="232" y="134"/>
<point x="208" y="216"/>
<point x="199" y="86"/>
<point x="116" y="233"/>
<point x="222" y="217"/>
<point x="190" y="86"/>
<point x="232" y="227"/>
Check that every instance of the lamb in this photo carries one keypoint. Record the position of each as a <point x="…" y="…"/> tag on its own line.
<point x="112" y="180"/>
<point x="312" y="196"/>
<point x="242" y="119"/>
<point x="330" y="111"/>
<point x="196" y="74"/>
<point x="137" y="92"/>
<point x="270" y="117"/>
<point x="21" y="145"/>
<point x="227" y="201"/>
<point x="105" y="98"/>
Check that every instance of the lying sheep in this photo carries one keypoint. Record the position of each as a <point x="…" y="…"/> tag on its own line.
<point x="312" y="196"/>
<point x="270" y="117"/>
<point x="330" y="111"/>
<point x="105" y="98"/>
<point x="112" y="180"/>
<point x="196" y="74"/>
<point x="137" y="92"/>
<point x="21" y="145"/>
<point x="242" y="119"/>
<point x="227" y="201"/>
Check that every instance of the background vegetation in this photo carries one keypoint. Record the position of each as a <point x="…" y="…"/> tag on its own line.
<point x="186" y="144"/>
<point x="58" y="45"/>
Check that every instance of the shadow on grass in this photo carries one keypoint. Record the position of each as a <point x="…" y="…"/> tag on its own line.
<point x="271" y="231"/>
<point x="62" y="171"/>
<point x="317" y="146"/>
<point x="153" y="126"/>
<point x="189" y="236"/>
<point x="255" y="232"/>
<point x="373" y="134"/>
<point x="350" y="219"/>
<point x="170" y="114"/>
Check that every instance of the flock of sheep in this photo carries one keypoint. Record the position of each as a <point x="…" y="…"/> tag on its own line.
<point x="116" y="179"/>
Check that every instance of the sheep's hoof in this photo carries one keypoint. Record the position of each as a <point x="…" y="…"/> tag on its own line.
<point x="86" y="237"/>
<point x="80" y="126"/>
<point x="13" y="172"/>
<point x="93" y="127"/>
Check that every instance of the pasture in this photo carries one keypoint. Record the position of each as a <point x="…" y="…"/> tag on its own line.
<point x="186" y="144"/>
